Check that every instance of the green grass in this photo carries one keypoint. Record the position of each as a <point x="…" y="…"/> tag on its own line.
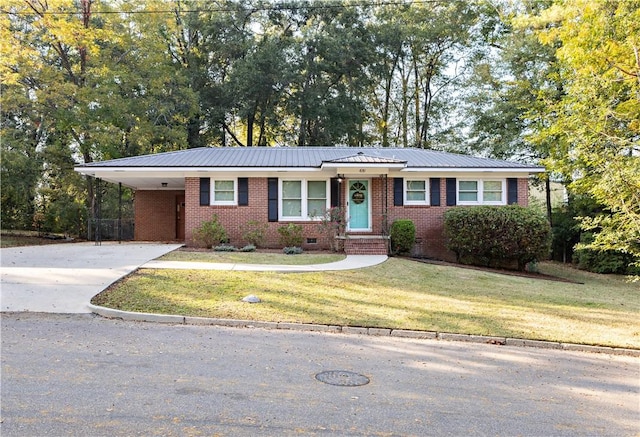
<point x="252" y="257"/>
<point x="25" y="238"/>
<point x="401" y="294"/>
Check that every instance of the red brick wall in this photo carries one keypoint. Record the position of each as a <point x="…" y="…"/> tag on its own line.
<point x="234" y="218"/>
<point x="155" y="215"/>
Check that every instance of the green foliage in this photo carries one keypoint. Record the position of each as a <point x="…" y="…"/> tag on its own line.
<point x="291" y="235"/>
<point x="248" y="248"/>
<point x="254" y="232"/>
<point x="210" y="233"/>
<point x="595" y="123"/>
<point x="403" y="236"/>
<point x="602" y="261"/>
<point x="225" y="248"/>
<point x="333" y="224"/>
<point x="496" y="235"/>
<point x="292" y="250"/>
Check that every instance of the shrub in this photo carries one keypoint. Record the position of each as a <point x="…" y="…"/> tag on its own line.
<point x="254" y="233"/>
<point x="248" y="248"/>
<point x="292" y="250"/>
<point x="602" y="261"/>
<point x="225" y="248"/>
<point x="291" y="235"/>
<point x="403" y="235"/>
<point x="497" y="235"/>
<point x="210" y="233"/>
<point x="333" y="224"/>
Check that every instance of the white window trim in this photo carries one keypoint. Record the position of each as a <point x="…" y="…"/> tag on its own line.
<point x="212" y="186"/>
<point x="480" y="201"/>
<point x="427" y="193"/>
<point x="304" y="199"/>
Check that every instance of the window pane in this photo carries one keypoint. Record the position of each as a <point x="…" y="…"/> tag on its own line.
<point x="317" y="190"/>
<point x="468" y="185"/>
<point x="223" y="185"/>
<point x="223" y="196"/>
<point x="415" y="185"/>
<point x="291" y="189"/>
<point x="291" y="208"/>
<point x="493" y="186"/>
<point x="492" y="196"/>
<point x="468" y="197"/>
<point x="316" y="208"/>
<point x="416" y="195"/>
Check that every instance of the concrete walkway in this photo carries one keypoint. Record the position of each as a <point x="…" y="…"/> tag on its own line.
<point x="62" y="278"/>
<point x="349" y="263"/>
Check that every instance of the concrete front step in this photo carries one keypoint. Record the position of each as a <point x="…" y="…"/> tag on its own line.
<point x="366" y="245"/>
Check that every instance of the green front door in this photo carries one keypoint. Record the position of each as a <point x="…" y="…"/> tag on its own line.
<point x="358" y="201"/>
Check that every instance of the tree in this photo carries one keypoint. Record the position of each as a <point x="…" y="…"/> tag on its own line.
<point x="598" y="116"/>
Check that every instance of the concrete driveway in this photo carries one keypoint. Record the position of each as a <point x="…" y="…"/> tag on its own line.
<point x="62" y="278"/>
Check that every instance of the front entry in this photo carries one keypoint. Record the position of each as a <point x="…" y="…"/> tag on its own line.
<point x="359" y="205"/>
<point x="180" y="217"/>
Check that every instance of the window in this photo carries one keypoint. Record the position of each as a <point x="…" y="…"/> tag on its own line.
<point x="292" y="198"/>
<point x="223" y="192"/>
<point x="492" y="191"/>
<point x="416" y="192"/>
<point x="467" y="191"/>
<point x="481" y="192"/>
<point x="302" y="199"/>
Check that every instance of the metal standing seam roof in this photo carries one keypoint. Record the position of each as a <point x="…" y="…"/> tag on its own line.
<point x="300" y="157"/>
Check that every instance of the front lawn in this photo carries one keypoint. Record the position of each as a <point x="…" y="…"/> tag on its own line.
<point x="252" y="257"/>
<point x="401" y="294"/>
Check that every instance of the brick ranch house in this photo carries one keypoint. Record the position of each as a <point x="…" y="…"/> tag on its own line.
<point x="176" y="191"/>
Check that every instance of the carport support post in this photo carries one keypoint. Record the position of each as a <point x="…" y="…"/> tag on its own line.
<point x="98" y="213"/>
<point x="119" y="212"/>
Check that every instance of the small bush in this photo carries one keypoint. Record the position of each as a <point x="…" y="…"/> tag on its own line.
<point x="290" y="235"/>
<point x="254" y="233"/>
<point x="224" y="248"/>
<point x="497" y="235"/>
<point x="333" y="224"/>
<point x="248" y="248"/>
<point x="210" y="233"/>
<point x="292" y="250"/>
<point x="602" y="261"/>
<point x="403" y="236"/>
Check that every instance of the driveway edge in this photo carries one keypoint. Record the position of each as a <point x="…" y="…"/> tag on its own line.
<point x="336" y="329"/>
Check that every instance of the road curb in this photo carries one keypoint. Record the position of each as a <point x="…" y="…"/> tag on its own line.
<point x="358" y="330"/>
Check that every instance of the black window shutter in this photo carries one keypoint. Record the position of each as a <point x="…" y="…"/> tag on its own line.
<point x="451" y="191"/>
<point x="243" y="191"/>
<point x="335" y="193"/>
<point x="434" y="191"/>
<point x="272" y="186"/>
<point x="398" y="191"/>
<point x="512" y="191"/>
<point x="205" y="191"/>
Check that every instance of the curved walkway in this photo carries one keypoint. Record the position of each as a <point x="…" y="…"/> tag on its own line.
<point x="349" y="263"/>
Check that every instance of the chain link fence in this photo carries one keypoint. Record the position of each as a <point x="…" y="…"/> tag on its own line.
<point x="110" y="229"/>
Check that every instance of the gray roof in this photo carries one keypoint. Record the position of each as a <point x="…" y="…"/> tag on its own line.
<point x="301" y="157"/>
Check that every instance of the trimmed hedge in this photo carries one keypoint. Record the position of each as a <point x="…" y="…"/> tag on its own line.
<point x="403" y="236"/>
<point x="497" y="236"/>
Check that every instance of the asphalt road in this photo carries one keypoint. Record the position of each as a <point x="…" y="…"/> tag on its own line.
<point x="82" y="375"/>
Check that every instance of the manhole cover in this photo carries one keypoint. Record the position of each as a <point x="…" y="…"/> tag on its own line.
<point x="342" y="377"/>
